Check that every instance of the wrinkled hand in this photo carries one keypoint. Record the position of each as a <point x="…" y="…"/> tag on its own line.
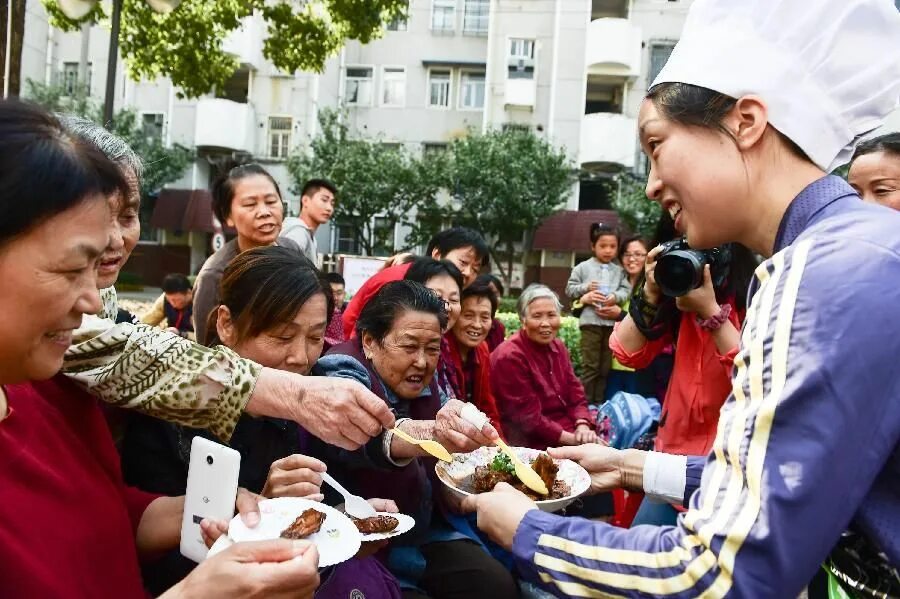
<point x="247" y="505"/>
<point x="651" y="289"/>
<point x="384" y="505"/>
<point x="702" y="300"/>
<point x="295" y="476"/>
<point x="341" y="412"/>
<point x="591" y="298"/>
<point x="456" y="434"/>
<point x="271" y="569"/>
<point x="585" y="434"/>
<point x="603" y="464"/>
<point x="499" y="512"/>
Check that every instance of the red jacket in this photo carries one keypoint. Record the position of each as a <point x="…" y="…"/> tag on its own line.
<point x="537" y="391"/>
<point x="700" y="383"/>
<point x="67" y="520"/>
<point x="482" y="394"/>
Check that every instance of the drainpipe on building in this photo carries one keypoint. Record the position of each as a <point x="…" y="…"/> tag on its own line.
<point x="551" y="120"/>
<point x="48" y="63"/>
<point x="8" y="55"/>
<point x="488" y="93"/>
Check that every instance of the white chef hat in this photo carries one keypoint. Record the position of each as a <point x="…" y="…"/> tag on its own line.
<point x="829" y="70"/>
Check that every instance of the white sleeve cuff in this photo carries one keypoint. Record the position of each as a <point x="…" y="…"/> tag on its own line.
<point x="665" y="476"/>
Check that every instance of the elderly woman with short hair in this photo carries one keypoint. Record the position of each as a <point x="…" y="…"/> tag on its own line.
<point x="395" y="353"/>
<point x="541" y="401"/>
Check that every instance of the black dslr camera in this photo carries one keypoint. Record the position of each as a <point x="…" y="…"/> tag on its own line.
<point x="679" y="269"/>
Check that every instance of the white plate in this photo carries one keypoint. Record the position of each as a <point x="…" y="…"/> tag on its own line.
<point x="337" y="540"/>
<point x="464" y="464"/>
<point x="406" y="525"/>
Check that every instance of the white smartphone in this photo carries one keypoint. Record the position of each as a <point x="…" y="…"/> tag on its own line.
<point x="212" y="486"/>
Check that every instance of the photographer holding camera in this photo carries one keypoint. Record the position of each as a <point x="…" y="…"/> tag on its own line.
<point x="703" y="323"/>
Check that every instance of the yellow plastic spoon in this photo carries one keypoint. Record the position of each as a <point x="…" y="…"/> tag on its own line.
<point x="432" y="447"/>
<point x="525" y="472"/>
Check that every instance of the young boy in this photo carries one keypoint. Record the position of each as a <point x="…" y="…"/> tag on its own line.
<point x="316" y="208"/>
<point x="597" y="283"/>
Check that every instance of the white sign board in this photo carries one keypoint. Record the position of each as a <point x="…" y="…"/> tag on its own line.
<point x="218" y="240"/>
<point x="356" y="270"/>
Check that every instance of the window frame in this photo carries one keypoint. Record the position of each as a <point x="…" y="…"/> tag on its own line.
<point x="383" y="87"/>
<point x="462" y="95"/>
<point x="345" y="80"/>
<point x="486" y="17"/>
<point x="284" y="133"/>
<point x="445" y="4"/>
<point x="428" y="82"/>
<point x="162" y="130"/>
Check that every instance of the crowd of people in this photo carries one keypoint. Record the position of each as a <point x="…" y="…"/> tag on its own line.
<point x="776" y="454"/>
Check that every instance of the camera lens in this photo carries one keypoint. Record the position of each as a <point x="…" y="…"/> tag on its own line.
<point x="679" y="272"/>
<point x="209" y="460"/>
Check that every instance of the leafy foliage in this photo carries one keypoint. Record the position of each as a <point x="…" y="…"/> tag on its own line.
<point x="372" y="178"/>
<point x="634" y="207"/>
<point x="161" y="164"/>
<point x="504" y="184"/>
<point x="186" y="45"/>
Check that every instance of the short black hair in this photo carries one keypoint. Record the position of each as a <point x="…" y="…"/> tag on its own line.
<point x="45" y="170"/>
<point x="599" y="230"/>
<point x="459" y="237"/>
<point x="424" y="269"/>
<point x="223" y="188"/>
<point x="314" y="185"/>
<point x="395" y="298"/>
<point x="489" y="279"/>
<point x="481" y="289"/>
<point x="889" y="144"/>
<point x="176" y="283"/>
<point x="335" y="277"/>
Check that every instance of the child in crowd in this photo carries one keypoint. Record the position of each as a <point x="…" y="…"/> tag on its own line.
<point x="596" y="284"/>
<point x="334" y="334"/>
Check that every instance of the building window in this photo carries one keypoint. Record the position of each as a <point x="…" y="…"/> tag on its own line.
<point x="383" y="233"/>
<point x="476" y="14"/>
<point x="345" y="241"/>
<point x="659" y="54"/>
<point x="443" y="15"/>
<point x="434" y="149"/>
<point x="152" y="124"/>
<point x="393" y="86"/>
<point x="471" y="93"/>
<point x="439" y="88"/>
<point x="521" y="59"/>
<point x="399" y="23"/>
<point x="358" y="86"/>
<point x="280" y="128"/>
<point x="70" y="81"/>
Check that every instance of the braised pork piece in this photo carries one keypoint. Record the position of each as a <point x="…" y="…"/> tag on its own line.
<point x="501" y="470"/>
<point x="307" y="523"/>
<point x="376" y="524"/>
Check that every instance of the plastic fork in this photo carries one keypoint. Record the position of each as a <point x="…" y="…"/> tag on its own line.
<point x="354" y="505"/>
<point x="432" y="447"/>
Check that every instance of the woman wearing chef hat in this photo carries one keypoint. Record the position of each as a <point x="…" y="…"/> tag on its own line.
<point x="760" y="99"/>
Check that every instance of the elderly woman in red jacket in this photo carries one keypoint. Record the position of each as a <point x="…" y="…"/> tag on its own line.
<point x="541" y="401"/>
<point x="469" y="355"/>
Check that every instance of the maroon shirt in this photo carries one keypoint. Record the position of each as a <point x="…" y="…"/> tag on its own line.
<point x="496" y="335"/>
<point x="537" y="392"/>
<point x="67" y="520"/>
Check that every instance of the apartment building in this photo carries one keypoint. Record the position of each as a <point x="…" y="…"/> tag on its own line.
<point x="573" y="71"/>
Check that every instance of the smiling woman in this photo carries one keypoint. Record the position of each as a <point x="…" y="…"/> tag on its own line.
<point x="875" y="170"/>
<point x="248" y="199"/>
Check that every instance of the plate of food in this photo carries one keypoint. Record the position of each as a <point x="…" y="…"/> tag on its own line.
<point x="480" y="470"/>
<point x="383" y="525"/>
<point x="335" y="536"/>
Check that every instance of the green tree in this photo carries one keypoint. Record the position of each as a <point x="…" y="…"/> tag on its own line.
<point x="629" y="198"/>
<point x="504" y="184"/>
<point x="372" y="178"/>
<point x="186" y="44"/>
<point x="161" y="164"/>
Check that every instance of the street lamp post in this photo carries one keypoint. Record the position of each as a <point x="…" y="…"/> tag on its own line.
<point x="78" y="9"/>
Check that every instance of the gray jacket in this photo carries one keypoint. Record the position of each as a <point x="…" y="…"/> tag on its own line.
<point x="611" y="279"/>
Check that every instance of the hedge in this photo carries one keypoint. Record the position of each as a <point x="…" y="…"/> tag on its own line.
<point x="568" y="332"/>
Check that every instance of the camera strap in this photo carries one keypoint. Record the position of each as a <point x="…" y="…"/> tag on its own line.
<point x="651" y="320"/>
